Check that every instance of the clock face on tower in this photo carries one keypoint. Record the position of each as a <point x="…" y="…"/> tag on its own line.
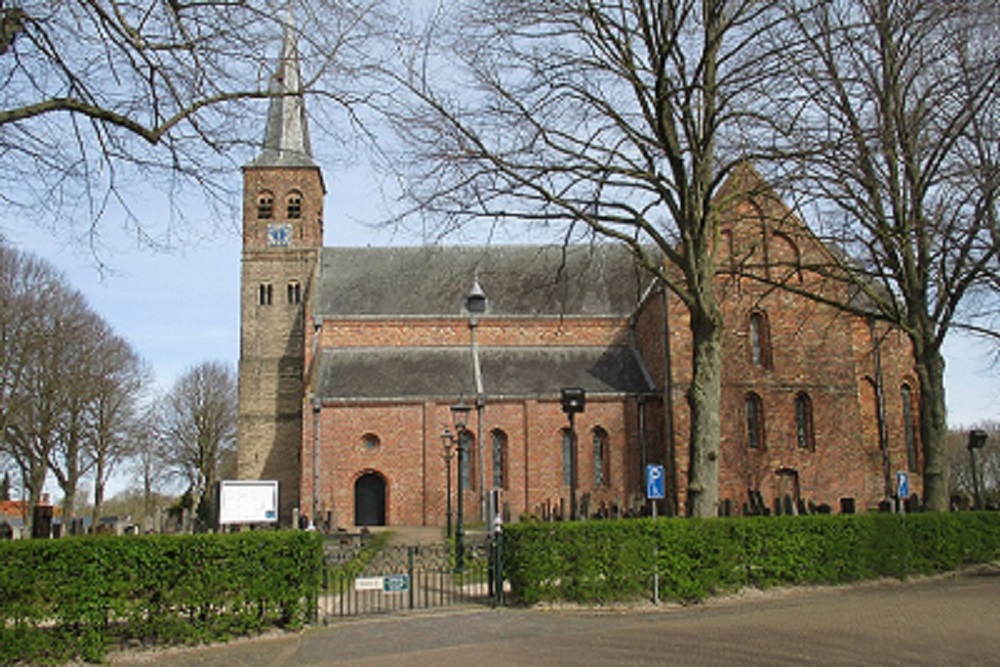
<point x="279" y="234"/>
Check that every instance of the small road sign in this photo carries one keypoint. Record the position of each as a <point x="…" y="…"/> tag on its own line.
<point x="396" y="583"/>
<point x="655" y="482"/>
<point x="903" y="484"/>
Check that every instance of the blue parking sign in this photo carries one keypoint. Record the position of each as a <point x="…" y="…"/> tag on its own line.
<point x="655" y="482"/>
<point x="903" y="484"/>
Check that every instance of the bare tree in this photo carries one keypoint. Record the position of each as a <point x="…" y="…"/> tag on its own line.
<point x="616" y="119"/>
<point x="114" y="418"/>
<point x="39" y="313"/>
<point x="103" y="95"/>
<point x="199" y="426"/>
<point x="893" y="108"/>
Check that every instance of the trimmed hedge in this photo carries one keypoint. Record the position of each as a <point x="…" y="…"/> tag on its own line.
<point x="596" y="562"/>
<point x="76" y="597"/>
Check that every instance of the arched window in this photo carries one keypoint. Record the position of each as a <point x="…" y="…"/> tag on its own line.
<point x="265" y="205"/>
<point x="909" y="431"/>
<point x="760" y="340"/>
<point x="602" y="458"/>
<point x="468" y="445"/>
<point x="499" y="459"/>
<point x="754" y="407"/>
<point x="804" y="435"/>
<point x="370" y="441"/>
<point x="265" y="294"/>
<point x="294" y="205"/>
<point x="294" y="292"/>
<point x="567" y="457"/>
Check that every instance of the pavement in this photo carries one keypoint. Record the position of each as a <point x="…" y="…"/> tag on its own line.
<point x="945" y="620"/>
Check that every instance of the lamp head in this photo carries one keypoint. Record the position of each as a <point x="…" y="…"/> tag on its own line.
<point x="977" y="439"/>
<point x="460" y="414"/>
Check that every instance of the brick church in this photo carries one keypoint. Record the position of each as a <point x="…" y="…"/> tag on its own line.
<point x="351" y="360"/>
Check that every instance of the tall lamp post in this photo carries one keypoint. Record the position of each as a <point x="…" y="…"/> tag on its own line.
<point x="460" y="419"/>
<point x="475" y="305"/>
<point x="977" y="440"/>
<point x="574" y="400"/>
<point x="447" y="453"/>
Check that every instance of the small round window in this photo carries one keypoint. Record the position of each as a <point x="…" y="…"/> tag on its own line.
<point x="370" y="442"/>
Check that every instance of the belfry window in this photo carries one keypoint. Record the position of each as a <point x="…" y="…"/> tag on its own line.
<point x="265" y="205"/>
<point x="265" y="294"/>
<point x="754" y="407"/>
<point x="294" y="205"/>
<point x="294" y="293"/>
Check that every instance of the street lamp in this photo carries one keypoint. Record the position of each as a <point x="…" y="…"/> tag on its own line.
<point x="574" y="400"/>
<point x="977" y="440"/>
<point x="447" y="452"/>
<point x="460" y="419"/>
<point x="475" y="305"/>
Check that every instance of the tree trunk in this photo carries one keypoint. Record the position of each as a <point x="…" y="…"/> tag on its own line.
<point x="933" y="426"/>
<point x="703" y="398"/>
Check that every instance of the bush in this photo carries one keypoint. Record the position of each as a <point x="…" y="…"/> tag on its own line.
<point x="614" y="561"/>
<point x="85" y="594"/>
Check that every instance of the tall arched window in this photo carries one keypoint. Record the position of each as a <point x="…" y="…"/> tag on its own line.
<point x="499" y="459"/>
<point x="602" y="458"/>
<point x="754" y="407"/>
<point x="567" y="457"/>
<point x="265" y="205"/>
<point x="909" y="431"/>
<point x="468" y="456"/>
<point x="294" y="205"/>
<point x="760" y="340"/>
<point x="804" y="435"/>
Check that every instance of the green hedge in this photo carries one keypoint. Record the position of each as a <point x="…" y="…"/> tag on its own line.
<point x="596" y="562"/>
<point x="76" y="597"/>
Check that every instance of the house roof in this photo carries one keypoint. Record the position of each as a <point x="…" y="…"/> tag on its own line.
<point x="403" y="373"/>
<point x="577" y="280"/>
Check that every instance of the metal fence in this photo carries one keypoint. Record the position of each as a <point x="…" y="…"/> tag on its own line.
<point x="359" y="580"/>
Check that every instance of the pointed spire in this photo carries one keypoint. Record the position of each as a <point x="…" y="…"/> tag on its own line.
<point x="286" y="138"/>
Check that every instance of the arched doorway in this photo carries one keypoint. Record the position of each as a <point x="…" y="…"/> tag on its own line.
<point x="369" y="500"/>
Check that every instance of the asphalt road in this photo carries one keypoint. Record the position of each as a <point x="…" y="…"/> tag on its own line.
<point x="949" y="620"/>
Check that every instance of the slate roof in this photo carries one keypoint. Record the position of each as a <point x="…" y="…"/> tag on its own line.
<point x="599" y="279"/>
<point x="428" y="373"/>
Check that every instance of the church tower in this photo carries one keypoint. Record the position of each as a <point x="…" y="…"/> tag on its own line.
<point x="282" y="238"/>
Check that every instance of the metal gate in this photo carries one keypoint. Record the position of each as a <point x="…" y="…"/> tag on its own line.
<point x="359" y="579"/>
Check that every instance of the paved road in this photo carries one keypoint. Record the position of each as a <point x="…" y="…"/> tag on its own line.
<point x="952" y="620"/>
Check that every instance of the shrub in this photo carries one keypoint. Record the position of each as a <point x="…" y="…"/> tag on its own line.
<point x="85" y="594"/>
<point x="603" y="561"/>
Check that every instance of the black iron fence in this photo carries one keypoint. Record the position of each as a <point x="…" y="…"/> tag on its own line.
<point x="363" y="580"/>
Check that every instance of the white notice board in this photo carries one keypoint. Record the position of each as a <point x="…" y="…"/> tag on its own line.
<point x="248" y="502"/>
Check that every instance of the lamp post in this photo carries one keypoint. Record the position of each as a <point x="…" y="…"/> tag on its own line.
<point x="574" y="400"/>
<point x="460" y="418"/>
<point x="447" y="452"/>
<point x="475" y="305"/>
<point x="977" y="440"/>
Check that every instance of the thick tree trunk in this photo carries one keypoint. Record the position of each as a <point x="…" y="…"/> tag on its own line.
<point x="703" y="398"/>
<point x="933" y="426"/>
